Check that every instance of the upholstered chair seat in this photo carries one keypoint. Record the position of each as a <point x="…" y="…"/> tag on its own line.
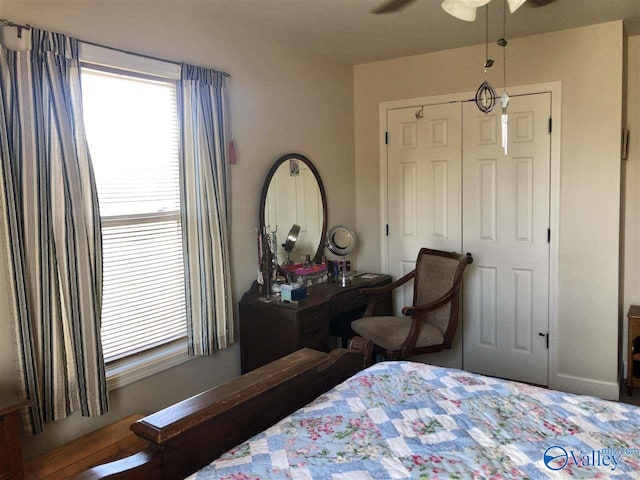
<point x="390" y="332"/>
<point x="430" y="323"/>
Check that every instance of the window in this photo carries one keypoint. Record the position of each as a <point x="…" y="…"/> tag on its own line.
<point x="132" y="131"/>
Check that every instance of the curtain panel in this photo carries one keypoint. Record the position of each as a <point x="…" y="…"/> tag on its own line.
<point x="50" y="212"/>
<point x="203" y="117"/>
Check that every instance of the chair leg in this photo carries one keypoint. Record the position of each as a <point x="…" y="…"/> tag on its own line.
<point x="363" y="346"/>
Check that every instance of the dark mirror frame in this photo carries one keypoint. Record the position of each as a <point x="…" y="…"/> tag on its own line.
<point x="265" y="188"/>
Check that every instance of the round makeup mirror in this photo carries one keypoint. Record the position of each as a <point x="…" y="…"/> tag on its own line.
<point x="341" y="240"/>
<point x="290" y="243"/>
<point x="293" y="195"/>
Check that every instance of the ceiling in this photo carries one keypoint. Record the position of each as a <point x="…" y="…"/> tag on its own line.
<point x="346" y="32"/>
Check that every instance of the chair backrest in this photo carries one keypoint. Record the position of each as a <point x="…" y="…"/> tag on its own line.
<point x="437" y="272"/>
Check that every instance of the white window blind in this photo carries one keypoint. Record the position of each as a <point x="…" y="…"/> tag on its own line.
<point x="132" y="130"/>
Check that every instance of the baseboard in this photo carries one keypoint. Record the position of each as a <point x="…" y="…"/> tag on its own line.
<point x="586" y="386"/>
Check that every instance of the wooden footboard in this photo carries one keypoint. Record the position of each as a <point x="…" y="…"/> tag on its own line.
<point x="191" y="434"/>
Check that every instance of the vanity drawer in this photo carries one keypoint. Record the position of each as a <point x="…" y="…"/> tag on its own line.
<point x="314" y="329"/>
<point x="347" y="301"/>
<point x="316" y="338"/>
<point x="312" y="318"/>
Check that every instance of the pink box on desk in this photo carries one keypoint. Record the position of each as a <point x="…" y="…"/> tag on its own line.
<point x="311" y="270"/>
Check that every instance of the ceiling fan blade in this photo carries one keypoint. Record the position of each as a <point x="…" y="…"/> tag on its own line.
<point x="391" y="6"/>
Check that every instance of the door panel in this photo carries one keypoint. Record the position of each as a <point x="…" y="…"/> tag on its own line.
<point x="502" y="218"/>
<point x="505" y="222"/>
<point x="424" y="195"/>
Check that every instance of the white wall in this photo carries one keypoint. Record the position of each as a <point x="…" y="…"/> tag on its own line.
<point x="588" y="62"/>
<point x="632" y="190"/>
<point x="282" y="101"/>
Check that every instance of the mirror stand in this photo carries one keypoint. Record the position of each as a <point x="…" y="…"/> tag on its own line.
<point x="344" y="278"/>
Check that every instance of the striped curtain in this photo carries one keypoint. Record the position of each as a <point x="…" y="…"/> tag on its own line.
<point x="204" y="209"/>
<point x="52" y="229"/>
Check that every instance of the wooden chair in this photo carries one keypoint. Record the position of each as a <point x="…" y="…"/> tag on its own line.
<point x="427" y="326"/>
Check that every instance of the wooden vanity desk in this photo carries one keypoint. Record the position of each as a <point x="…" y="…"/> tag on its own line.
<point x="271" y="330"/>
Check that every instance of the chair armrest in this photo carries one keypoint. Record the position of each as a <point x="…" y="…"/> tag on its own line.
<point x="388" y="288"/>
<point x="374" y="292"/>
<point x="409" y="311"/>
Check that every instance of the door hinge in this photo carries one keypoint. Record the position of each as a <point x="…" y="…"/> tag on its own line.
<point x="545" y="335"/>
<point x="548" y="235"/>
<point x="386" y="138"/>
<point x="550" y="124"/>
<point x="387" y="229"/>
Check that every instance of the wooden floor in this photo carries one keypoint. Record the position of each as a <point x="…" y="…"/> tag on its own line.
<point x="633" y="399"/>
<point x="110" y="443"/>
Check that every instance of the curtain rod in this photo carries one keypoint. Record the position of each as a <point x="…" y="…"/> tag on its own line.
<point x="8" y="23"/>
<point x="151" y="57"/>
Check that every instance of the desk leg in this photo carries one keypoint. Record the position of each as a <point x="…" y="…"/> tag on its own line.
<point x="11" y="447"/>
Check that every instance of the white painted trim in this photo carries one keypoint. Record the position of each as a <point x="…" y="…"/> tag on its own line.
<point x="384" y="214"/>
<point x="134" y="368"/>
<point x="424" y="101"/>
<point x="555" y="89"/>
<point x="554" y="220"/>
<point x="108" y="57"/>
<point x="587" y="386"/>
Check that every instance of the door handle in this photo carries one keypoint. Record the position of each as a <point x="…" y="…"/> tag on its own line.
<point x="545" y="335"/>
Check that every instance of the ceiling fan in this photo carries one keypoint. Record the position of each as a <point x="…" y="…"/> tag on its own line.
<point x="462" y="9"/>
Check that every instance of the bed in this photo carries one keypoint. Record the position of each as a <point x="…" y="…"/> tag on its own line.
<point x="399" y="420"/>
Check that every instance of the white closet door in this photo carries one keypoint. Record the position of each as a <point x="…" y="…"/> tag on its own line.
<point x="505" y="222"/>
<point x="424" y="183"/>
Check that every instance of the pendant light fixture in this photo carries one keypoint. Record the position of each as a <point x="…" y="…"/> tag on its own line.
<point x="485" y="95"/>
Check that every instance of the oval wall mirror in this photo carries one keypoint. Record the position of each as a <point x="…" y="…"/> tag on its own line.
<point x="293" y="194"/>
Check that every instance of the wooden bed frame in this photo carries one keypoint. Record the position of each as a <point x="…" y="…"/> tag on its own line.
<point x="191" y="434"/>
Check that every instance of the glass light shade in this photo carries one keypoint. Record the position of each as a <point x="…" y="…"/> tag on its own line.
<point x="515" y="4"/>
<point x="474" y="3"/>
<point x="459" y="10"/>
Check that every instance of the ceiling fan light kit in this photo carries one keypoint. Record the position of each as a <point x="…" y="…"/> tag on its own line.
<point x="459" y="10"/>
<point x="466" y="9"/>
<point x="462" y="9"/>
<point x="515" y="4"/>
<point x="475" y="3"/>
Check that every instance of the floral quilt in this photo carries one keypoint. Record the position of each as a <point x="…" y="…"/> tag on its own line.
<point x="399" y="420"/>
